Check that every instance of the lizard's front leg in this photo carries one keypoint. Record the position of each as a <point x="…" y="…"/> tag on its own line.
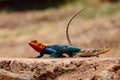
<point x="51" y="52"/>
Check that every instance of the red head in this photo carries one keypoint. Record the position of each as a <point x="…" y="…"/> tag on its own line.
<point x="37" y="46"/>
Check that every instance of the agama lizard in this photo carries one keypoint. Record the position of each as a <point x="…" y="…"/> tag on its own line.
<point x="54" y="50"/>
<point x="57" y="50"/>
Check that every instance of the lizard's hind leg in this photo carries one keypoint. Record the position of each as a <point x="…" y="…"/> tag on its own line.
<point x="70" y="54"/>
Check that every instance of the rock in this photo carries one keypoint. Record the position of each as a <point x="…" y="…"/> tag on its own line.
<point x="104" y="75"/>
<point x="60" y="69"/>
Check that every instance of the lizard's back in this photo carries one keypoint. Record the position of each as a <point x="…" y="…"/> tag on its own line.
<point x="62" y="48"/>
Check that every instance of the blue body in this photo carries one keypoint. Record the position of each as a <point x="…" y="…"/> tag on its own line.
<point x="57" y="50"/>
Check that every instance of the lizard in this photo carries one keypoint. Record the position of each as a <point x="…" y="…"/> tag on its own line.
<point x="57" y="50"/>
<point x="54" y="50"/>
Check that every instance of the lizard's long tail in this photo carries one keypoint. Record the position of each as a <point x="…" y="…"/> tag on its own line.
<point x="67" y="28"/>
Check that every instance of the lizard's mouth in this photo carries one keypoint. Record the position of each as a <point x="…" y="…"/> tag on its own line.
<point x="36" y="45"/>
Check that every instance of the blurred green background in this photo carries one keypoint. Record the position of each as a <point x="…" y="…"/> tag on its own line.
<point x="46" y="20"/>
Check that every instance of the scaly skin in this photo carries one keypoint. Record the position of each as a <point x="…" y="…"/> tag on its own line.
<point x="57" y="50"/>
<point x="93" y="52"/>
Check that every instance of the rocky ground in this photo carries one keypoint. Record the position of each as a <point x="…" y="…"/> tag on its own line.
<point x="60" y="69"/>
